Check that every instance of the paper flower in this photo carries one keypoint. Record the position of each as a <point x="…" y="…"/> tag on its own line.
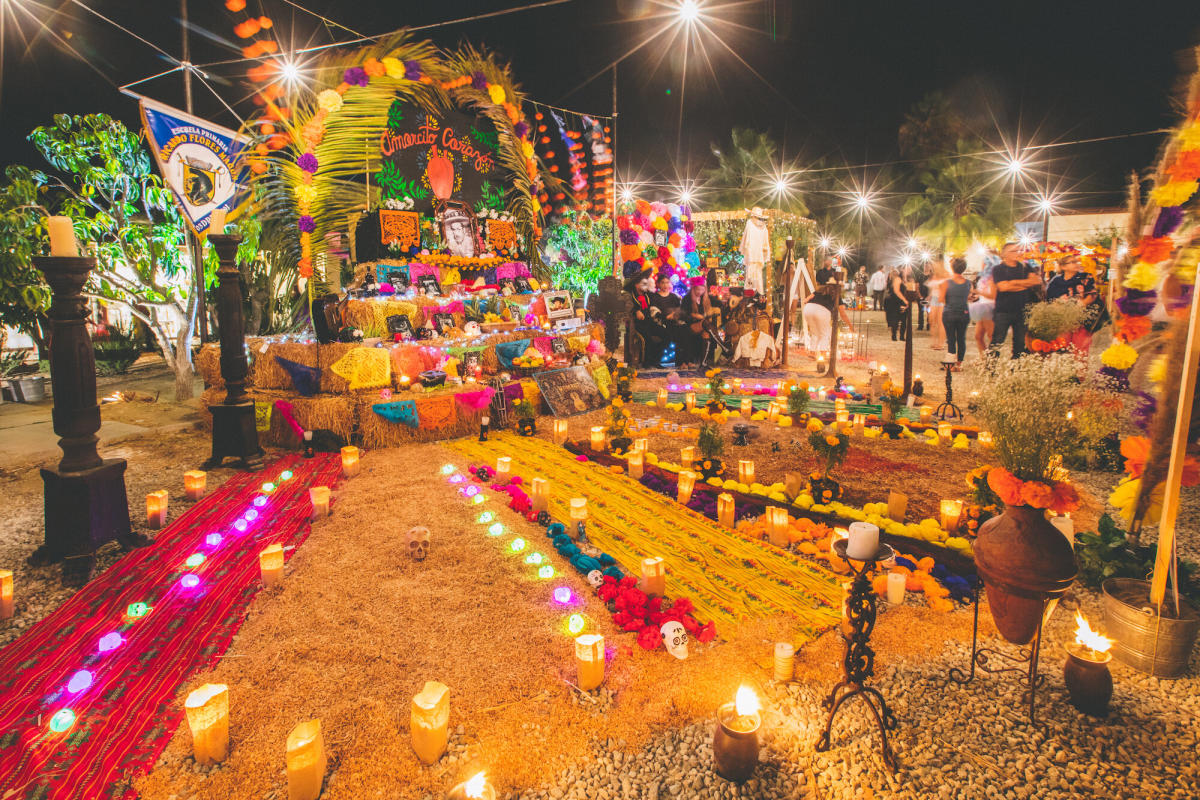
<point x="306" y="224"/>
<point x="356" y="76"/>
<point x="496" y="92"/>
<point x="412" y="70"/>
<point x="1142" y="276"/>
<point x="393" y="68"/>
<point x="1173" y="193"/>
<point x="1137" y="303"/>
<point x="479" y="81"/>
<point x="1119" y="355"/>
<point x="1189" y="137"/>
<point x="308" y="163"/>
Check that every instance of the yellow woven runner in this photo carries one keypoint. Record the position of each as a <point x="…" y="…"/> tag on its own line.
<point x="727" y="576"/>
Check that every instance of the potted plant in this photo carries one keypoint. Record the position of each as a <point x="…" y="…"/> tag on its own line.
<point x="1048" y="326"/>
<point x="1025" y="562"/>
<point x="25" y="388"/>
<point x="618" y="426"/>
<point x="116" y="349"/>
<point x="526" y="417"/>
<point x="716" y="391"/>
<point x="10" y="362"/>
<point x="892" y="400"/>
<point x="797" y="402"/>
<point x="711" y="445"/>
<point x="623" y="377"/>
<point x="831" y="446"/>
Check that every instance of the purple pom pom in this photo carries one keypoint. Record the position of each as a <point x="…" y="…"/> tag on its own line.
<point x="356" y="76"/>
<point x="629" y="236"/>
<point x="1118" y="378"/>
<point x="412" y="70"/>
<point x="479" y="81"/>
<point x="308" y="162"/>
<point x="1137" y="303"/>
<point x="521" y="129"/>
<point x="1143" y="412"/>
<point x="1168" y="220"/>
<point x="307" y="224"/>
<point x="1182" y="301"/>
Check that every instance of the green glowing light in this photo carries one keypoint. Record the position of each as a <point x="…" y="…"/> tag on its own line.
<point x="479" y="498"/>
<point x="448" y="469"/>
<point x="137" y="610"/>
<point x="575" y="624"/>
<point x="517" y="545"/>
<point x="486" y="517"/>
<point x="194" y="560"/>
<point x="546" y="572"/>
<point x="533" y="558"/>
<point x="496" y="530"/>
<point x="286" y="475"/>
<point x="62" y="721"/>
<point x="268" y="487"/>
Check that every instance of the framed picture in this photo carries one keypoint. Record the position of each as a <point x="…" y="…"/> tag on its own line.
<point x="521" y="285"/>
<point x="569" y="391"/>
<point x="558" y="305"/>
<point x="711" y="262"/>
<point x="506" y="285"/>
<point x="558" y="346"/>
<point x="398" y="323"/>
<point x="458" y="230"/>
<point x="470" y="362"/>
<point x="429" y="283"/>
<point x="660" y="238"/>
<point x="443" y="323"/>
<point x="398" y="278"/>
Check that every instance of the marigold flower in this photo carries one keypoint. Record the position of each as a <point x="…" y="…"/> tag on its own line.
<point x="1119" y="355"/>
<point x="1037" y="494"/>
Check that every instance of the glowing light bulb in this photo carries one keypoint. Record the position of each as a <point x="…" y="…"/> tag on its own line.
<point x="109" y="642"/>
<point x="251" y="515"/>
<point x="79" y="681"/>
<point x="562" y="594"/>
<point x="486" y="517"/>
<point x="517" y="545"/>
<point x="448" y="468"/>
<point x="213" y="540"/>
<point x="268" y="487"/>
<point x="471" y="491"/>
<point x="457" y="479"/>
<point x="194" y="560"/>
<point x="534" y="558"/>
<point x="260" y="501"/>
<point x="285" y="475"/>
<point x="189" y="581"/>
<point x="575" y="623"/>
<point x="496" y="530"/>
<point x="479" y="499"/>
<point x="546" y="571"/>
<point x="137" y="610"/>
<point x="62" y="721"/>
<point x="241" y="525"/>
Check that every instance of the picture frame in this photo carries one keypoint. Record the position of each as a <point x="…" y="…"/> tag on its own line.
<point x="459" y="229"/>
<point x="443" y="323"/>
<point x="558" y="305"/>
<point x="430" y="284"/>
<point x="400" y="324"/>
<point x="521" y="285"/>
<point x="570" y="391"/>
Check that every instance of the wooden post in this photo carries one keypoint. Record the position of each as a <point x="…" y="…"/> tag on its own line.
<point x="1164" y="562"/>
<point x="789" y="266"/>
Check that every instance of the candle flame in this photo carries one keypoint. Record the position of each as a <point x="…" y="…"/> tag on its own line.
<point x="746" y="702"/>
<point x="1091" y="639"/>
<point x="475" y="786"/>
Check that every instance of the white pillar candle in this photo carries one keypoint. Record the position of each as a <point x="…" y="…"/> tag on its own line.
<point x="207" y="710"/>
<point x="194" y="483"/>
<point x="690" y="400"/>
<point x="597" y="437"/>
<point x="589" y="660"/>
<point x="785" y="661"/>
<point x="6" y="593"/>
<point x="864" y="541"/>
<point x="560" y="431"/>
<point x="350" y="465"/>
<point x="637" y="461"/>
<point x="539" y="497"/>
<point x="747" y="406"/>
<point x="654" y="576"/>
<point x="663" y="398"/>
<point x="1066" y="526"/>
<point x="579" y="508"/>
<point x="270" y="564"/>
<point x="503" y="467"/>
<point x="306" y="761"/>
<point x="895" y="587"/>
<point x="62" y="237"/>
<point x="319" y="497"/>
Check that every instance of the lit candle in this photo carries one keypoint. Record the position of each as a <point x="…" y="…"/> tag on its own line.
<point x="864" y="541"/>
<point x="725" y="509"/>
<point x="945" y="432"/>
<point x="270" y="564"/>
<point x="860" y="423"/>
<point x="503" y="467"/>
<point x="773" y="411"/>
<point x="690" y="400"/>
<point x="194" y="483"/>
<point x="579" y="509"/>
<point x="207" y="710"/>
<point x="305" y="761"/>
<point x="843" y="417"/>
<point x="897" y="506"/>
<point x="785" y="661"/>
<point x="985" y="438"/>
<point x="839" y="404"/>
<point x="745" y="471"/>
<point x="589" y="659"/>
<point x="735" y="742"/>
<point x="687" y="482"/>
<point x="822" y="393"/>
<point x="654" y="576"/>
<point x="477" y="788"/>
<point x="883" y="369"/>
<point x="951" y="513"/>
<point x="156" y="508"/>
<point x="747" y="406"/>
<point x="539" y="496"/>
<point x="663" y="398"/>
<point x="926" y="414"/>
<point x="597" y="437"/>
<point x="687" y="456"/>
<point x="777" y="526"/>
<point x="216" y="220"/>
<point x="821" y="364"/>
<point x="896" y="582"/>
<point x="837" y="535"/>
<point x="62" y="237"/>
<point x="1065" y="525"/>
<point x="6" y="594"/>
<point x="560" y="431"/>
<point x="319" y="497"/>
<point x="429" y="721"/>
<point x="350" y="463"/>
<point x="636" y="461"/>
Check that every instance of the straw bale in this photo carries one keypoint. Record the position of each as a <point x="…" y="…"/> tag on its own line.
<point x="377" y="432"/>
<point x="327" y="355"/>
<point x="265" y="371"/>
<point x="208" y="365"/>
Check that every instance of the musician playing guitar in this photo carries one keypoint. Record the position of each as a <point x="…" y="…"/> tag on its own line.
<point x="701" y="317"/>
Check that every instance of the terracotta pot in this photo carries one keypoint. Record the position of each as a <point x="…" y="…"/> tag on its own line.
<point x="1025" y="563"/>
<point x="1088" y="681"/>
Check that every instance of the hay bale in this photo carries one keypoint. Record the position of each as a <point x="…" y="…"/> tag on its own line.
<point x="265" y="372"/>
<point x="208" y="366"/>
<point x="334" y="413"/>
<point x="377" y="432"/>
<point x="328" y="354"/>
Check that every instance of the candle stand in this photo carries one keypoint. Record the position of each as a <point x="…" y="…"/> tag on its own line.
<point x="85" y="500"/>
<point x="994" y="662"/>
<point x="234" y="434"/>
<point x="948" y="410"/>
<point x="858" y="659"/>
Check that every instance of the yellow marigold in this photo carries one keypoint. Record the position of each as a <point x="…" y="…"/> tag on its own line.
<point x="815" y="424"/>
<point x="617" y="402"/>
<point x="1185" y="268"/>
<point x="1173" y="193"/>
<point x="496" y="92"/>
<point x="394" y="67"/>
<point x="1142" y="276"/>
<point x="1124" y="499"/>
<point x="832" y="440"/>
<point x="1119" y="355"/>
<point x="305" y="194"/>
<point x="330" y="100"/>
<point x="802" y="386"/>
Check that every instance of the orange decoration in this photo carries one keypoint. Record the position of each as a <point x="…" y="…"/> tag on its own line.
<point x="1130" y="329"/>
<point x="374" y="67"/>
<point x="235" y="5"/>
<point x="1186" y="167"/>
<point x="278" y="141"/>
<point x="268" y="129"/>
<point x="1153" y="250"/>
<point x="258" y="167"/>
<point x="245" y="30"/>
<point x="261" y="149"/>
<point x="265" y="23"/>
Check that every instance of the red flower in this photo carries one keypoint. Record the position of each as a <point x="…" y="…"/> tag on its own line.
<point x="634" y="625"/>
<point x="1006" y="485"/>
<point x="657" y="618"/>
<point x="515" y="480"/>
<point x="621" y="618"/>
<point x="1037" y="494"/>
<point x="655" y="604"/>
<point x="1065" y="498"/>
<point x="683" y="606"/>
<point x="531" y="516"/>
<point x="649" y="638"/>
<point x="607" y="592"/>
<point x="690" y="623"/>
<point x="707" y="633"/>
<point x="629" y="582"/>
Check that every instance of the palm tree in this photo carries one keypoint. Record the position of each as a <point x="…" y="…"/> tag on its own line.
<point x="958" y="203"/>
<point x="746" y="174"/>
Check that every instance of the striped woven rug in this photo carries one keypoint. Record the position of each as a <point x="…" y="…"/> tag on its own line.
<point x="88" y="695"/>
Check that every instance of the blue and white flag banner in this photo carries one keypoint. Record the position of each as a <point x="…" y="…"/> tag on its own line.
<point x="199" y="161"/>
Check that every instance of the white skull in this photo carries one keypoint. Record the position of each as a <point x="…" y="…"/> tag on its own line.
<point x="418" y="542"/>
<point x="675" y="638"/>
<point x="595" y="578"/>
<point x="472" y="329"/>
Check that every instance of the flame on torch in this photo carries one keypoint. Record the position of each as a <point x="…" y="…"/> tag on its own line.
<point x="475" y="786"/>
<point x="746" y="702"/>
<point x="1091" y="639"/>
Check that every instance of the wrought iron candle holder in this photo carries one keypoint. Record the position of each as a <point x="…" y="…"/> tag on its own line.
<point x="858" y="659"/>
<point x="948" y="410"/>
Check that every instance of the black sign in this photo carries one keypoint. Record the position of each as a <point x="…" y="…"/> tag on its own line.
<point x="448" y="156"/>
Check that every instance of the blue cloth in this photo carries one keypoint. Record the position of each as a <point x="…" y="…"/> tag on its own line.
<point x="398" y="411"/>
<point x="507" y="351"/>
<point x="307" y="380"/>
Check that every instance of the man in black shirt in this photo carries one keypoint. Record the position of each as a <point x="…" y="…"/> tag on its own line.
<point x="1012" y="281"/>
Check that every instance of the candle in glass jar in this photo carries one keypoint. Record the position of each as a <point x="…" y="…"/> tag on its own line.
<point x="654" y="576"/>
<point x="663" y="398"/>
<point x="985" y="438"/>
<point x="194" y="483"/>
<point x="822" y="394"/>
<point x="579" y="508"/>
<point x="689" y="400"/>
<point x="773" y="411"/>
<point x="785" y="661"/>
<point x="636" y="461"/>
<point x="156" y="508"/>
<point x="428" y="724"/>
<point x="319" y="497"/>
<point x="270" y="564"/>
<point x="860" y="423"/>
<point x="745" y="471"/>
<point x="350" y="463"/>
<point x="589" y="660"/>
<point x="597" y="437"/>
<point x="539" y="496"/>
<point x="951" y="514"/>
<point x="842" y="417"/>
<point x="62" y="237"/>
<point x="747" y="406"/>
<point x="735" y="741"/>
<point x="207" y="710"/>
<point x="864" y="541"/>
<point x="641" y="445"/>
<point x="725" y="509"/>
<point x="687" y="482"/>
<point x="926" y="414"/>
<point x="896" y="582"/>
<point x="777" y="526"/>
<point x="897" y="506"/>
<point x="503" y="468"/>
<point x="687" y="456"/>
<point x="945" y="432"/>
<point x="305" y="761"/>
<point x="560" y="431"/>
<point x="6" y="594"/>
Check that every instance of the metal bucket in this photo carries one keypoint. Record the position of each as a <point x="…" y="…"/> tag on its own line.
<point x="1159" y="646"/>
<point x="29" y="389"/>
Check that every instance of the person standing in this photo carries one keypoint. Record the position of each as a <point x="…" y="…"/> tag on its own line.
<point x="1011" y="288"/>
<point x="877" y="286"/>
<point x="1073" y="285"/>
<point x="895" y="303"/>
<point x="953" y="296"/>
<point x="818" y="315"/>
<point x="860" y="286"/>
<point x="920" y="277"/>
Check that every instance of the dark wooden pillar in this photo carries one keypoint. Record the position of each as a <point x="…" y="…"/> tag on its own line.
<point x="85" y="500"/>
<point x="234" y="432"/>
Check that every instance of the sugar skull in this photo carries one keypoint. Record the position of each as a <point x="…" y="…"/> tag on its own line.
<point x="675" y="638"/>
<point x="595" y="578"/>
<point x="418" y="542"/>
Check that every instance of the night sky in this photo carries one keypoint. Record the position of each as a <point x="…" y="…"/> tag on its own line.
<point x="836" y="77"/>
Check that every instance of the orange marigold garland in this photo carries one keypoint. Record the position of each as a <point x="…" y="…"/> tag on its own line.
<point x="1057" y="496"/>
